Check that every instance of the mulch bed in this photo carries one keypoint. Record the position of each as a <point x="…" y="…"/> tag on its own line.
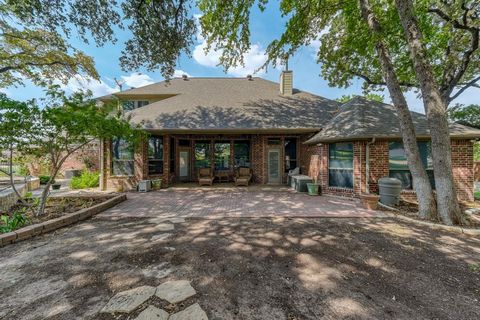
<point x="59" y="206"/>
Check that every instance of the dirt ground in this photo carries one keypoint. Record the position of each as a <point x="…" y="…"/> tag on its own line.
<point x="248" y="268"/>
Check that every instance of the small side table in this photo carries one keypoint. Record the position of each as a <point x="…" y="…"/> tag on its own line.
<point x="223" y="176"/>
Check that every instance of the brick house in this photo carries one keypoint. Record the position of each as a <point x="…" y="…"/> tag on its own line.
<point x="226" y="123"/>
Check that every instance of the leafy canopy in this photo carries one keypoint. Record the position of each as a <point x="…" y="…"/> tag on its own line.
<point x="33" y="33"/>
<point x="347" y="47"/>
<point x="369" y="96"/>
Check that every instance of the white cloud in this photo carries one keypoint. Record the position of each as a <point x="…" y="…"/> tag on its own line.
<point x="180" y="73"/>
<point x="253" y="59"/>
<point x="137" y="79"/>
<point x="81" y="83"/>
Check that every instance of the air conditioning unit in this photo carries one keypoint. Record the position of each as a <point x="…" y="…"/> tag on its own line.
<point x="144" y="185"/>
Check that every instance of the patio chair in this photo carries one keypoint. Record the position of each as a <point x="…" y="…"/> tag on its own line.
<point x="205" y="177"/>
<point x="243" y="177"/>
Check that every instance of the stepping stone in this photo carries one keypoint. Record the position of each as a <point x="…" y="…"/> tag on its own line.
<point x="162" y="236"/>
<point x="152" y="313"/>
<point x="127" y="301"/>
<point x="164" y="227"/>
<point x="175" y="291"/>
<point x="194" y="312"/>
<point x="176" y="220"/>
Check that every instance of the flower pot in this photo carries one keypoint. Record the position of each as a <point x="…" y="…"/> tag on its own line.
<point x="370" y="201"/>
<point x="313" y="189"/>
<point x="56" y="186"/>
<point x="156" y="184"/>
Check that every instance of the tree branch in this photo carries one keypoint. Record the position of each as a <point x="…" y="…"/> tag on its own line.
<point x="472" y="83"/>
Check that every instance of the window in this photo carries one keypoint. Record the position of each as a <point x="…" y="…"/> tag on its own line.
<point x="172" y="155"/>
<point x="399" y="167"/>
<point x="340" y="166"/>
<point x="222" y="155"/>
<point x="130" y="105"/>
<point x="241" y="153"/>
<point x="290" y="154"/>
<point x="155" y="155"/>
<point x="273" y="141"/>
<point x="202" y="154"/>
<point x="122" y="157"/>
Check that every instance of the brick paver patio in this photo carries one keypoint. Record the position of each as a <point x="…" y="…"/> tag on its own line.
<point x="200" y="202"/>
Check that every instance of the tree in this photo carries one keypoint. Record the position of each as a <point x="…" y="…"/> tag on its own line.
<point x="40" y="56"/>
<point x="63" y="125"/>
<point x="18" y="125"/>
<point x="369" y="96"/>
<point x="436" y="110"/>
<point x="32" y="34"/>
<point x="467" y="115"/>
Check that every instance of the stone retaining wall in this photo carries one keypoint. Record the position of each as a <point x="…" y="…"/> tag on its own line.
<point x="8" y="197"/>
<point x="53" y="224"/>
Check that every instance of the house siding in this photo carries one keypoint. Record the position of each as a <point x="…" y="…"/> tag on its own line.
<point x="316" y="162"/>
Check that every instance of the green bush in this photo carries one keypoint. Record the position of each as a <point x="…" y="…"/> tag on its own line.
<point x="44" y="179"/>
<point x="86" y="180"/>
<point x="17" y="220"/>
<point x="477" y="195"/>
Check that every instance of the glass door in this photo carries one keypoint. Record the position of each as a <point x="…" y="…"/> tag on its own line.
<point x="274" y="176"/>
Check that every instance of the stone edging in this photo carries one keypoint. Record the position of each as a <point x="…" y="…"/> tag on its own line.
<point x="433" y="225"/>
<point x="57" y="223"/>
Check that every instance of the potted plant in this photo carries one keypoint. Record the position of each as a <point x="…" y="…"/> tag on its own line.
<point x="156" y="184"/>
<point x="314" y="189"/>
<point x="370" y="200"/>
<point x="56" y="186"/>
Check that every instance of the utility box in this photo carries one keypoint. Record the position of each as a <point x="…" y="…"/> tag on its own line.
<point x="144" y="186"/>
<point x="389" y="190"/>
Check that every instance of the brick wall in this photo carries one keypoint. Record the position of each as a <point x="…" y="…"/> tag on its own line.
<point x="258" y="156"/>
<point x="462" y="165"/>
<point x="316" y="160"/>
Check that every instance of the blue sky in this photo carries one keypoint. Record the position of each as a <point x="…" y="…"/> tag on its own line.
<point x="265" y="27"/>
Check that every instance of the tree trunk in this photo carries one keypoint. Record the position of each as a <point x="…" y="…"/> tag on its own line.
<point x="421" y="183"/>
<point x="448" y="207"/>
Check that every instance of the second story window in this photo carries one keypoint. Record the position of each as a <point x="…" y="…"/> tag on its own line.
<point x="130" y="105"/>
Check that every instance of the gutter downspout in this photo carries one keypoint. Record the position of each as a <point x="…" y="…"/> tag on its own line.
<point x="367" y="165"/>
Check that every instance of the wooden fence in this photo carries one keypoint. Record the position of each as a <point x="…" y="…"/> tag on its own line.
<point x="476" y="171"/>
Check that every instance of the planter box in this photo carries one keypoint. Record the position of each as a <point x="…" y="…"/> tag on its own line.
<point x="370" y="201"/>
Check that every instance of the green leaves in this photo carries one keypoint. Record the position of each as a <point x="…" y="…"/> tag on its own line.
<point x="39" y="55"/>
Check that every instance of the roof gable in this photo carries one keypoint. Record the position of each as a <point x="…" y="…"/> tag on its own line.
<point x="360" y="118"/>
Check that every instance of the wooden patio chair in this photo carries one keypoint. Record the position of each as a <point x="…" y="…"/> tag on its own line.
<point x="205" y="177"/>
<point x="243" y="177"/>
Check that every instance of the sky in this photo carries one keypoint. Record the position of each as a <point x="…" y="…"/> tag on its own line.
<point x="265" y="27"/>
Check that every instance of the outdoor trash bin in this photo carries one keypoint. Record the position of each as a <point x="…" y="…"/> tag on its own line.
<point x="389" y="190"/>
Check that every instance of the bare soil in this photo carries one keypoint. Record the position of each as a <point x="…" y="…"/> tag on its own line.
<point x="58" y="206"/>
<point x="248" y="268"/>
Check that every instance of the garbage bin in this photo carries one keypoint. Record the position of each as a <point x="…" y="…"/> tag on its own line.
<point x="389" y="190"/>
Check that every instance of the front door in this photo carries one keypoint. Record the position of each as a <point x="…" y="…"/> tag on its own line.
<point x="184" y="165"/>
<point x="274" y="176"/>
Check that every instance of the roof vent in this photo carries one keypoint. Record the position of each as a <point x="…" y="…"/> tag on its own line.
<point x="249" y="77"/>
<point x="184" y="77"/>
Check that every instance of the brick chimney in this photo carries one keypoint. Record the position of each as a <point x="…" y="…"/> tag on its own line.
<point x="286" y="82"/>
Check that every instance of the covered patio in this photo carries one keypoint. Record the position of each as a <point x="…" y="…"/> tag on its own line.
<point x="229" y="201"/>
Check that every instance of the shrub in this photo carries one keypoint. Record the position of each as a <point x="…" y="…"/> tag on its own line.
<point x="86" y="180"/>
<point x="44" y="179"/>
<point x="17" y="220"/>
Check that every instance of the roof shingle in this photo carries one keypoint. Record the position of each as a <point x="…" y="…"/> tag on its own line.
<point x="360" y="118"/>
